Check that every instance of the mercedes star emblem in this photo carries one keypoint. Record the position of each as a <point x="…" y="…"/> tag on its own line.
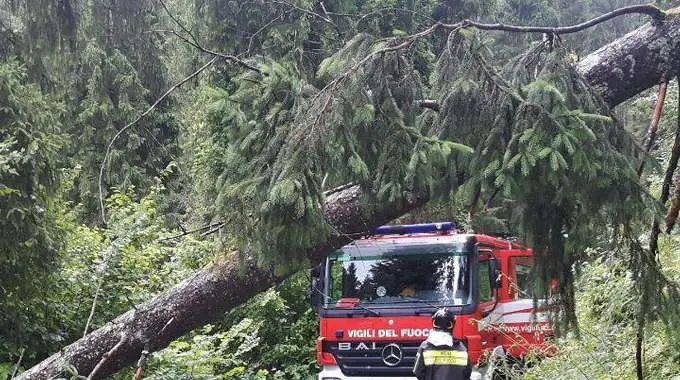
<point x="381" y="291"/>
<point x="391" y="354"/>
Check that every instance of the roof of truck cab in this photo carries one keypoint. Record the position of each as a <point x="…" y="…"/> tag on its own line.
<point x="436" y="238"/>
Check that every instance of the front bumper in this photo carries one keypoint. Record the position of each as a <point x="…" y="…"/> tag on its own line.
<point x="333" y="372"/>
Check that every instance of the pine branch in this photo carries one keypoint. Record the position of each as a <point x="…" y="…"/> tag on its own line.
<point x="210" y="227"/>
<point x="312" y="13"/>
<point x="657" y="16"/>
<point x="194" y="42"/>
<point x="363" y="16"/>
<point x="187" y="31"/>
<point x="656" y="13"/>
<point x="267" y="25"/>
<point x="126" y="127"/>
<point x="339" y="80"/>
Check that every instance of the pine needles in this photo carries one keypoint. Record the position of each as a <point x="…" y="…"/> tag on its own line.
<point x="530" y="133"/>
<point x="547" y="143"/>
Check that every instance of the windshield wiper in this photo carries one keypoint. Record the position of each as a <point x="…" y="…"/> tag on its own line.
<point x="418" y="300"/>
<point x="368" y="310"/>
<point x="407" y="300"/>
<point x="377" y="314"/>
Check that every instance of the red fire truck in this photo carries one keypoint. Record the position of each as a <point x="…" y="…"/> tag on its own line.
<point x="376" y="297"/>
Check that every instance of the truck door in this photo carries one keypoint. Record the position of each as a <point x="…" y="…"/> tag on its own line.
<point x="487" y="297"/>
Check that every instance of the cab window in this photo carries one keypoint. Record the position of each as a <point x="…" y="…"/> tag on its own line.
<point x="522" y="283"/>
<point x="485" y="293"/>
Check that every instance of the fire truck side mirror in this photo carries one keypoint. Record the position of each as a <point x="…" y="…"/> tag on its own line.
<point x="316" y="295"/>
<point x="495" y="272"/>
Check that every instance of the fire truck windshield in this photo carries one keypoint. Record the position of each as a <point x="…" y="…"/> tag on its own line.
<point x="401" y="276"/>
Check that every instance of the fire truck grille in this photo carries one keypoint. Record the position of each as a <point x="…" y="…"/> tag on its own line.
<point x="372" y="358"/>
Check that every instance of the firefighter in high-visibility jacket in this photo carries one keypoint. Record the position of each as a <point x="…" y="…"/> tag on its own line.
<point x="441" y="356"/>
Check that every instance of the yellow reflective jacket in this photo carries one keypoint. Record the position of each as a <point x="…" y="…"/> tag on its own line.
<point x="442" y="362"/>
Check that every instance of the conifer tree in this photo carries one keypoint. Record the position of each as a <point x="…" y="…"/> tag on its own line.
<point x="30" y="139"/>
<point x="119" y="72"/>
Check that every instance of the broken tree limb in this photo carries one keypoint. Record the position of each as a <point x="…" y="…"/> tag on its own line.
<point x="619" y="71"/>
<point x="654" y="124"/>
<point x="656" y="230"/>
<point x="107" y="355"/>
<point x="672" y="162"/>
<point x="674" y="209"/>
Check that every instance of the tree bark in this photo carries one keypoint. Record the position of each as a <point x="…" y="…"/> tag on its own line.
<point x="619" y="71"/>
<point x="634" y="62"/>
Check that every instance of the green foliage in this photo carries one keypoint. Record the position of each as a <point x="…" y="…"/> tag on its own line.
<point x="546" y="145"/>
<point x="100" y="59"/>
<point x="132" y="264"/>
<point x="124" y="263"/>
<point x="607" y="300"/>
<point x="272" y="209"/>
<point x="281" y="141"/>
<point x="33" y="30"/>
<point x="29" y="241"/>
<point x="6" y="370"/>
<point x="117" y="75"/>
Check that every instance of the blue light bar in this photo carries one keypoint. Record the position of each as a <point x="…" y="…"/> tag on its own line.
<point x="415" y="228"/>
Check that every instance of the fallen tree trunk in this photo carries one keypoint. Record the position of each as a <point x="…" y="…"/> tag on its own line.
<point x="207" y="295"/>
<point x="619" y="71"/>
<point x="634" y="62"/>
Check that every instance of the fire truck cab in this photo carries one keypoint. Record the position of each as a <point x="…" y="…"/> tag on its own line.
<point x="376" y="297"/>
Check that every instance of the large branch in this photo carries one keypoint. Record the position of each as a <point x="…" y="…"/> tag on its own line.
<point x="619" y="71"/>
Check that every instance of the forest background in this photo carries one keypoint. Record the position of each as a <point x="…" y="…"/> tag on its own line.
<point x="212" y="156"/>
